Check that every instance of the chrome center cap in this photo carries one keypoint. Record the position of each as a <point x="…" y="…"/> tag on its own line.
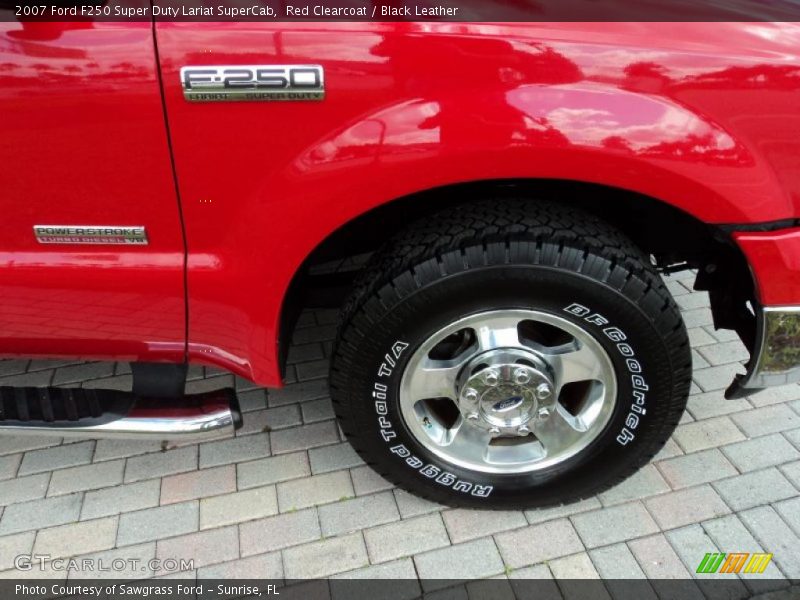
<point x="504" y="390"/>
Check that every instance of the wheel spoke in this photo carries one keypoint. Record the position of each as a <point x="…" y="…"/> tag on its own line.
<point x="468" y="442"/>
<point x="498" y="332"/>
<point x="557" y="432"/>
<point x="435" y="379"/>
<point x="577" y="365"/>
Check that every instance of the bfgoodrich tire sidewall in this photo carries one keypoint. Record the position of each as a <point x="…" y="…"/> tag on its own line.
<point x="642" y="417"/>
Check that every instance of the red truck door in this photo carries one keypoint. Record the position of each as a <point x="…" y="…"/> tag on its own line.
<point x="91" y="251"/>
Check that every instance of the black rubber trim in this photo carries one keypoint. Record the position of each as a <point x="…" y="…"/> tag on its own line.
<point x="759" y="227"/>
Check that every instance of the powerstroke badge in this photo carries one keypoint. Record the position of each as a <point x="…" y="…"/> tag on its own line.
<point x="264" y="83"/>
<point x="90" y="234"/>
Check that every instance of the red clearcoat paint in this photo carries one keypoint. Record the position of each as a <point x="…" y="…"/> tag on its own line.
<point x="699" y="115"/>
<point x="775" y="261"/>
<point x="83" y="142"/>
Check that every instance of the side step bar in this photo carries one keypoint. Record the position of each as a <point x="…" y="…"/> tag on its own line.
<point x="90" y="413"/>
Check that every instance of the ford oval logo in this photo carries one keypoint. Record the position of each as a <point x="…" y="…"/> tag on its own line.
<point x="507" y="404"/>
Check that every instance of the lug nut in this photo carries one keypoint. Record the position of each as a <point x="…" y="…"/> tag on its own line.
<point x="521" y="376"/>
<point x="523" y="430"/>
<point x="472" y="416"/>
<point x="543" y="391"/>
<point x="470" y="395"/>
<point x="544" y="413"/>
<point x="494" y="430"/>
<point x="491" y="377"/>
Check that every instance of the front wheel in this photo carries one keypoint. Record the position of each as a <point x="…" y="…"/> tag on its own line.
<point x="510" y="354"/>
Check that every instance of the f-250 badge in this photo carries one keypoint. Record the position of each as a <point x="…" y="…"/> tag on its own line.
<point x="253" y="82"/>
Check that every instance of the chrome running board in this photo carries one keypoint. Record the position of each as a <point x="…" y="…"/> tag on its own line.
<point x="89" y="413"/>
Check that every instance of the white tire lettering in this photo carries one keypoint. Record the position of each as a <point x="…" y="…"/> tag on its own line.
<point x="638" y="382"/>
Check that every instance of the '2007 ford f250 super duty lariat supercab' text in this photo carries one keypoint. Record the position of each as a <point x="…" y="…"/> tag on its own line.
<point x="175" y="192"/>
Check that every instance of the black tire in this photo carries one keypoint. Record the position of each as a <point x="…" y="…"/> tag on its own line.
<point x="510" y="254"/>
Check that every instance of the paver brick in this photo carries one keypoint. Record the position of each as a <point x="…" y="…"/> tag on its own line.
<point x="198" y="484"/>
<point x="725" y="352"/>
<point x="728" y="533"/>
<point x="87" y="477"/>
<point x="536" y="543"/>
<point x="775" y="536"/>
<point x="793" y="436"/>
<point x="405" y="538"/>
<point x="396" y="580"/>
<point x="708" y="433"/>
<point x="789" y="511"/>
<point x="299" y="392"/>
<point x="578" y="577"/>
<point x="270" y="419"/>
<point x="304" y="352"/>
<point x="692" y="543"/>
<point x="233" y="450"/>
<point x="157" y="523"/>
<point x="160" y="464"/>
<point x="38" y="379"/>
<point x="476" y="559"/>
<point x="618" y="567"/>
<point x="264" y="566"/>
<point x="49" y="459"/>
<point x="713" y="404"/>
<point x="9" y="466"/>
<point x="111" y="449"/>
<point x="82" y="372"/>
<point x="692" y="505"/>
<point x="645" y="482"/>
<point x="766" y="420"/>
<point x="23" y="489"/>
<point x="716" y="378"/>
<point x="318" y="410"/>
<point x="12" y="546"/>
<point x="367" y="481"/>
<point x="694" y="469"/>
<point x="203" y="548"/>
<point x="120" y="499"/>
<point x="280" y="531"/>
<point x="274" y="469"/>
<point x="614" y="524"/>
<point x="665" y="571"/>
<point x="77" y="538"/>
<point x="317" y="489"/>
<point x="775" y="395"/>
<point x="358" y="513"/>
<point x="754" y="489"/>
<point x="464" y="525"/>
<point x="305" y="437"/>
<point x="312" y="370"/>
<point x="761" y="452"/>
<point x="252" y="399"/>
<point x="325" y="557"/>
<point x="412" y="506"/>
<point x="333" y="458"/>
<point x="792" y="473"/>
<point x="134" y="559"/>
<point x="38" y="514"/>
<point x="541" y="515"/>
<point x="238" y="507"/>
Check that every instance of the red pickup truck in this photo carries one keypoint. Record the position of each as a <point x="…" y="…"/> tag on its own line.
<point x="175" y="193"/>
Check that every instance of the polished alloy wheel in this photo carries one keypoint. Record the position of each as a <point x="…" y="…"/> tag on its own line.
<point x="508" y="391"/>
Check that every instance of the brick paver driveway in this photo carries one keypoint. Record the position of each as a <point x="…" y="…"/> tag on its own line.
<point x="287" y="497"/>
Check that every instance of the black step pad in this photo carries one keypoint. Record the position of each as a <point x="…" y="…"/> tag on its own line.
<point x="54" y="405"/>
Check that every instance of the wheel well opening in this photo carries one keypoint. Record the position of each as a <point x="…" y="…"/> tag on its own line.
<point x="674" y="239"/>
